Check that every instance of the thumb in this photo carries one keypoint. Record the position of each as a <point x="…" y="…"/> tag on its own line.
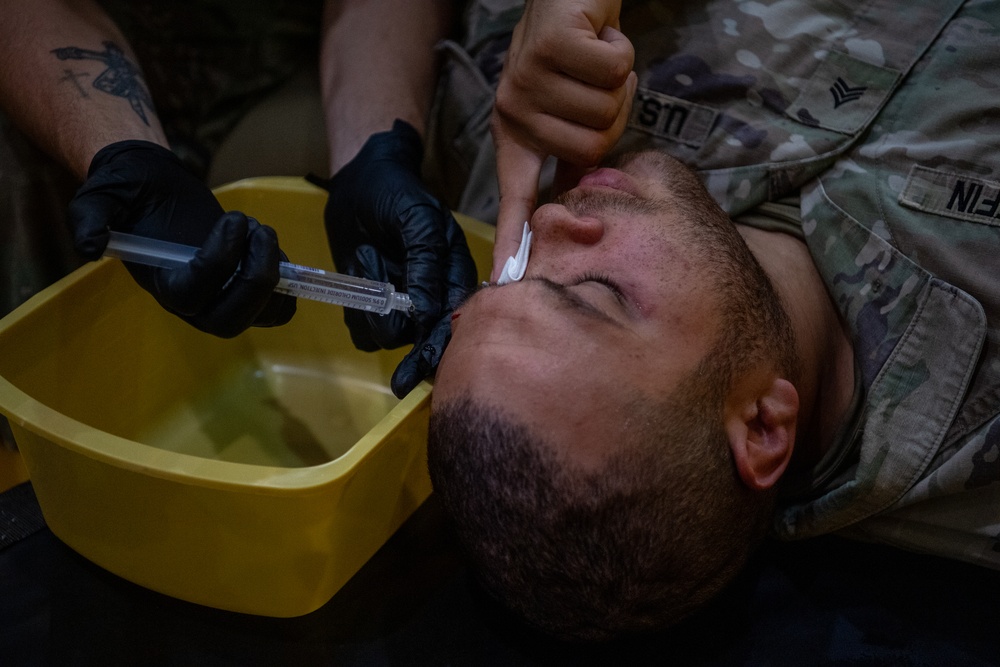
<point x="518" y="169"/>
<point x="89" y="214"/>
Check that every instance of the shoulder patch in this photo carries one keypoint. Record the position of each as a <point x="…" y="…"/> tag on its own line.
<point x="843" y="94"/>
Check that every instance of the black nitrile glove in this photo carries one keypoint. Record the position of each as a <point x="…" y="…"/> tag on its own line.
<point x="384" y="225"/>
<point x="141" y="188"/>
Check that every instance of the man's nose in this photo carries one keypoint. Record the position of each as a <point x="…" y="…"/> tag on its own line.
<point x="556" y="223"/>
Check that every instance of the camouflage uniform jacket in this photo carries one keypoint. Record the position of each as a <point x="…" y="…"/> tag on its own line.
<point x="884" y="118"/>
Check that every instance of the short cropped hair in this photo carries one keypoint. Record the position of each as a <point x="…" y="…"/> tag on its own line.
<point x="635" y="546"/>
<point x="664" y="525"/>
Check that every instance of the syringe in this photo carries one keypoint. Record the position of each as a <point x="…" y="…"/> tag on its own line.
<point x="298" y="281"/>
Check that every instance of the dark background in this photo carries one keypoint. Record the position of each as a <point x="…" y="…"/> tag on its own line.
<point x="826" y="601"/>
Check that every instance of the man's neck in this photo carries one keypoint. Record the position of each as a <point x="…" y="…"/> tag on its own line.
<point x="826" y="382"/>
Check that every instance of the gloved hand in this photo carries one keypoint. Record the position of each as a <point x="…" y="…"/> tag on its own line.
<point x="383" y="225"/>
<point x="141" y="188"/>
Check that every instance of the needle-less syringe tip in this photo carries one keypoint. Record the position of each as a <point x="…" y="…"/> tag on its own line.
<point x="401" y="301"/>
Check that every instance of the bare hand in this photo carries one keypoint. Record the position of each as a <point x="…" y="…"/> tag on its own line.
<point x="566" y="90"/>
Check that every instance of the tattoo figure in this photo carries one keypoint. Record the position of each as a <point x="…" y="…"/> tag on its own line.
<point x="121" y="78"/>
<point x="70" y="75"/>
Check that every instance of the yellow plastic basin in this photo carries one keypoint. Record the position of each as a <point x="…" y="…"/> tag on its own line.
<point x="256" y="474"/>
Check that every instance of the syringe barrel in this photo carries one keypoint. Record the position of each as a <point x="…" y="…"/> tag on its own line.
<point x="336" y="288"/>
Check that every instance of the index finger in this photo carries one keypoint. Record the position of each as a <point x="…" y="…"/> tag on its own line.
<point x="518" y="170"/>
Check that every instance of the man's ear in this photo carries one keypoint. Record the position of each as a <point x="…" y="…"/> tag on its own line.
<point x="761" y="430"/>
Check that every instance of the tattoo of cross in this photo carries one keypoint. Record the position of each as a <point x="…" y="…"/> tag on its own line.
<point x="70" y="75"/>
<point x="122" y="78"/>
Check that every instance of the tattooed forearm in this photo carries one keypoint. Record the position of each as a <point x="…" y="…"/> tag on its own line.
<point x="122" y="77"/>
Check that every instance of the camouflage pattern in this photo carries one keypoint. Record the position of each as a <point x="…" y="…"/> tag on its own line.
<point x="905" y="230"/>
<point x="740" y="90"/>
<point x="884" y="117"/>
<point x="762" y="97"/>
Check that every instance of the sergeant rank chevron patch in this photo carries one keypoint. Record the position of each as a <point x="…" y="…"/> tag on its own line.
<point x="843" y="93"/>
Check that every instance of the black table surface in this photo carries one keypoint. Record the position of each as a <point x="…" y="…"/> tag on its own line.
<point x="826" y="601"/>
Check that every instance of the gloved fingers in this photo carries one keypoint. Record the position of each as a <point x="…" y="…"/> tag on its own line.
<point x="342" y="234"/>
<point x="248" y="298"/>
<point x="224" y="249"/>
<point x="92" y="211"/>
<point x="142" y="188"/>
<point x="190" y="289"/>
<point x="265" y="255"/>
<point x="423" y="359"/>
<point x="372" y="331"/>
<point x="279" y="309"/>
<point x="425" y="236"/>
<point x="462" y="275"/>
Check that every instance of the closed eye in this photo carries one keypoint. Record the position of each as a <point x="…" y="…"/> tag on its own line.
<point x="605" y="280"/>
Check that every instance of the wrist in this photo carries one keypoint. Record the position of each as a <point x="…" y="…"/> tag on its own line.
<point x="80" y="155"/>
<point x="347" y="142"/>
<point x="118" y="149"/>
<point x="402" y="143"/>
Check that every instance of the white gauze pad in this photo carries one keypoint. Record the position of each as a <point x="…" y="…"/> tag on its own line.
<point x="514" y="268"/>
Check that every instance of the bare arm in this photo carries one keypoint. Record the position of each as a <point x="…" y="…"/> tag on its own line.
<point x="377" y="64"/>
<point x="70" y="81"/>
